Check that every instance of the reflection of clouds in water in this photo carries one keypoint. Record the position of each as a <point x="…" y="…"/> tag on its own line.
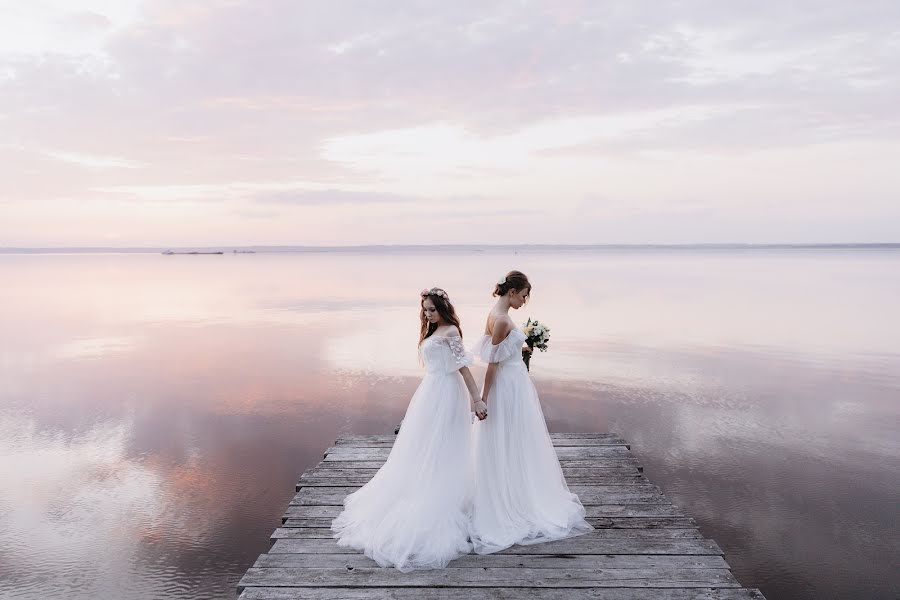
<point x="722" y="402"/>
<point x="622" y="364"/>
<point x="683" y="367"/>
<point x="68" y="506"/>
<point x="706" y="431"/>
<point x="843" y="408"/>
<point x="771" y="506"/>
<point x="93" y="347"/>
<point x="384" y="345"/>
<point x="740" y="403"/>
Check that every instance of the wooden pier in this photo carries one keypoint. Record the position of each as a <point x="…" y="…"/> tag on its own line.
<point x="643" y="548"/>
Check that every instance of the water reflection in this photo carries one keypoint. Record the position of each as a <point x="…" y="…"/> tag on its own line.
<point x="155" y="412"/>
<point x="66" y="498"/>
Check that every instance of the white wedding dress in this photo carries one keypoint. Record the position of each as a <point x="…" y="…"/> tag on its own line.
<point x="414" y="513"/>
<point x="520" y="495"/>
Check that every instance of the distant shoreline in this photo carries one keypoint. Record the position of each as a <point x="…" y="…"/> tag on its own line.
<point x="407" y="248"/>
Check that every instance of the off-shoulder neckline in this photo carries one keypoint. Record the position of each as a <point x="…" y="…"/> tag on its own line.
<point x="488" y="335"/>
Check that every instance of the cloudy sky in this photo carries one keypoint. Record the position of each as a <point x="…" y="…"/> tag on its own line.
<point x="164" y="122"/>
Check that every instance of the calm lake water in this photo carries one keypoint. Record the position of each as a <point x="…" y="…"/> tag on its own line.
<point x="156" y="411"/>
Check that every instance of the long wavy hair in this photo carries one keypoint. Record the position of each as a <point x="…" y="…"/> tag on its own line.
<point x="442" y="303"/>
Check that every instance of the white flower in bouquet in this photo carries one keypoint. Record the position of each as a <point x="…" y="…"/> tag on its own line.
<point x="537" y="335"/>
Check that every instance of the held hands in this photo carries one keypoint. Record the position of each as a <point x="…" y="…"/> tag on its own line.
<point x="480" y="409"/>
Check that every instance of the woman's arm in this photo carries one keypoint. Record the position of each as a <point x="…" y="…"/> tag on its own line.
<point x="488" y="381"/>
<point x="480" y="411"/>
<point x="502" y="327"/>
<point x="470" y="382"/>
<point x="456" y="347"/>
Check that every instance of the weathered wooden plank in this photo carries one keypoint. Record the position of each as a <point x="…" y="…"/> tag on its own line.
<point x="563" y="452"/>
<point x="593" y="463"/>
<point x="631" y="480"/>
<point x="360" y="480"/>
<point x="683" y="533"/>
<point x="598" y="522"/>
<point x="596" y="435"/>
<point x="610" y="494"/>
<point x="498" y="593"/>
<point x="591" y="442"/>
<point x="599" y="469"/>
<point x="582" y="452"/>
<point x="565" y="463"/>
<point x="322" y="496"/>
<point x="595" y="468"/>
<point x="630" y="475"/>
<point x="553" y="436"/>
<point x="352" y="438"/>
<point x="319" y="481"/>
<point x="345" y="443"/>
<point x="640" y="487"/>
<point x="591" y="510"/>
<point x="352" y="464"/>
<point x="491" y="577"/>
<point x="388" y="441"/>
<point x="624" y="463"/>
<point x="576" y="545"/>
<point x="534" y="561"/>
<point x="306" y="512"/>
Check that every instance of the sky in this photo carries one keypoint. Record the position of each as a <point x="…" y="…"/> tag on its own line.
<point x="281" y="122"/>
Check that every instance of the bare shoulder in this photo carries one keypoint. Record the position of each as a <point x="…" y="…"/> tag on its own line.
<point x="502" y="326"/>
<point x="452" y="331"/>
<point x="506" y="320"/>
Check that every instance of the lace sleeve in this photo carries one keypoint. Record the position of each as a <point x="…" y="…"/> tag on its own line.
<point x="459" y="357"/>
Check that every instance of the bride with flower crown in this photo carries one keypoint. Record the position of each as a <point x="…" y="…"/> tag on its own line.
<point x="415" y="512"/>
<point x="520" y="493"/>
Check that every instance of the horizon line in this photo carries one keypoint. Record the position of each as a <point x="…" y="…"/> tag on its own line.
<point x="359" y="247"/>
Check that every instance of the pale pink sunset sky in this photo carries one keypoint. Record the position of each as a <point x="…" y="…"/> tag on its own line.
<point x="165" y="122"/>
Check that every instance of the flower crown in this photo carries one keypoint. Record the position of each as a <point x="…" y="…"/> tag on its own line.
<point x="434" y="292"/>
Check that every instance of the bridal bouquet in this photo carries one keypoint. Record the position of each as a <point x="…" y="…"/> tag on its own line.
<point x="538" y="336"/>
